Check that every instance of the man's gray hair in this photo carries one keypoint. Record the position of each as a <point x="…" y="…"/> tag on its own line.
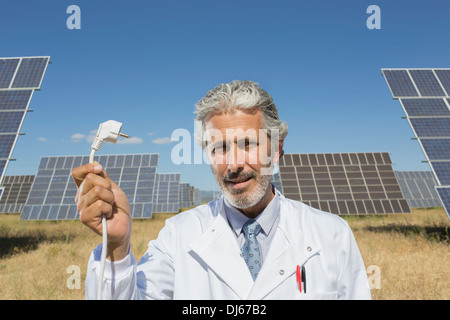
<point x="243" y="95"/>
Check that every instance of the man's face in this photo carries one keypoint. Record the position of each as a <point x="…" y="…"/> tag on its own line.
<point x="240" y="155"/>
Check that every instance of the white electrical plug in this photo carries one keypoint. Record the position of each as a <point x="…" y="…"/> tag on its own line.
<point x="107" y="131"/>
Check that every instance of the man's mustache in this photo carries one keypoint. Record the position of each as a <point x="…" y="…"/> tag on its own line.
<point x="241" y="176"/>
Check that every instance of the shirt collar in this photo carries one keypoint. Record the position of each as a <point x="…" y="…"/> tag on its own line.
<point x="266" y="218"/>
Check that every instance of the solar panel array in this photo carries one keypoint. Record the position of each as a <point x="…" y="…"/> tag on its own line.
<point x="343" y="183"/>
<point x="19" y="78"/>
<point x="53" y="191"/>
<point x="16" y="193"/>
<point x="418" y="187"/>
<point x="189" y="196"/>
<point x="425" y="97"/>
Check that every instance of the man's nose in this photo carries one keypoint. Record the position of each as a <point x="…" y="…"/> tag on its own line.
<point x="235" y="159"/>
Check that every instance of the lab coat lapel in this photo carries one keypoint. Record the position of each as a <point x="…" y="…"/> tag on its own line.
<point x="289" y="248"/>
<point x="218" y="248"/>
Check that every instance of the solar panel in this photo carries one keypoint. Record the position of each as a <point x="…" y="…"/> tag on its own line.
<point x="19" y="77"/>
<point x="431" y="127"/>
<point x="196" y="196"/>
<point x="436" y="149"/>
<point x="429" y="117"/>
<point x="166" y="193"/>
<point x="30" y="72"/>
<point x="186" y="200"/>
<point x="7" y="70"/>
<point x="444" y="194"/>
<point x="427" y="83"/>
<point x="16" y="193"/>
<point x="418" y="188"/>
<point x="53" y="191"/>
<point x="425" y="107"/>
<point x="444" y="78"/>
<point x="400" y="83"/>
<point x="442" y="170"/>
<point x="343" y="183"/>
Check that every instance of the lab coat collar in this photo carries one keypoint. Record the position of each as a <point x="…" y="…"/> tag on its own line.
<point x="218" y="248"/>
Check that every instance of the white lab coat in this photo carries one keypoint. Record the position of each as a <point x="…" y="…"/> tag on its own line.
<point x="196" y="256"/>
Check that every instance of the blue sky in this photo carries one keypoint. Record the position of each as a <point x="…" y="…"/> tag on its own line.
<point x="146" y="63"/>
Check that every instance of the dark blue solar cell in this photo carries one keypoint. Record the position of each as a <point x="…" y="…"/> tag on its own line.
<point x="137" y="210"/>
<point x="7" y="70"/>
<point x="400" y="83"/>
<point x="444" y="77"/>
<point x="431" y="127"/>
<point x="14" y="100"/>
<point x="2" y="167"/>
<point x="437" y="149"/>
<point x="72" y="213"/>
<point x="154" y="160"/>
<point x="62" y="213"/>
<point x="444" y="194"/>
<point x="442" y="170"/>
<point x="35" y="212"/>
<point x="427" y="83"/>
<point x="10" y="121"/>
<point x="147" y="212"/>
<point x="137" y="160"/>
<point x="30" y="73"/>
<point x="6" y="144"/>
<point x="53" y="213"/>
<point x="425" y="107"/>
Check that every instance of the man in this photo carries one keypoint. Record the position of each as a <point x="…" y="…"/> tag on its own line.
<point x="252" y="243"/>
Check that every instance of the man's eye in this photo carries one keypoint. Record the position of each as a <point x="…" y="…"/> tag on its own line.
<point x="218" y="150"/>
<point x="250" y="144"/>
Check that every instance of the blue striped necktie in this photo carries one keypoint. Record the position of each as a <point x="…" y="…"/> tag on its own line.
<point x="250" y="250"/>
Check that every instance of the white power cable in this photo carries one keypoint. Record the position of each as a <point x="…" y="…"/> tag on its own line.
<point x="108" y="131"/>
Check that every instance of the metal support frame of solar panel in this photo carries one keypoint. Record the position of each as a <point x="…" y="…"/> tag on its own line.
<point x="166" y="193"/>
<point x="418" y="188"/>
<point x="16" y="193"/>
<point x="53" y="191"/>
<point x="424" y="95"/>
<point x="343" y="183"/>
<point x="19" y="78"/>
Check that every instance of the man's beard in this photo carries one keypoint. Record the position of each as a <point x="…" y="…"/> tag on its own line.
<point x="241" y="198"/>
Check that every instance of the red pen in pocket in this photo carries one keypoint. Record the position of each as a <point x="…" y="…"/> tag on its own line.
<point x="299" y="278"/>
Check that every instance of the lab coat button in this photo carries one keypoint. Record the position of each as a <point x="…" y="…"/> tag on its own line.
<point x="309" y="248"/>
<point x="281" y="271"/>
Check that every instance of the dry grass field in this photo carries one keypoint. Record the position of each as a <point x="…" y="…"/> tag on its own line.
<point x="411" y="252"/>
